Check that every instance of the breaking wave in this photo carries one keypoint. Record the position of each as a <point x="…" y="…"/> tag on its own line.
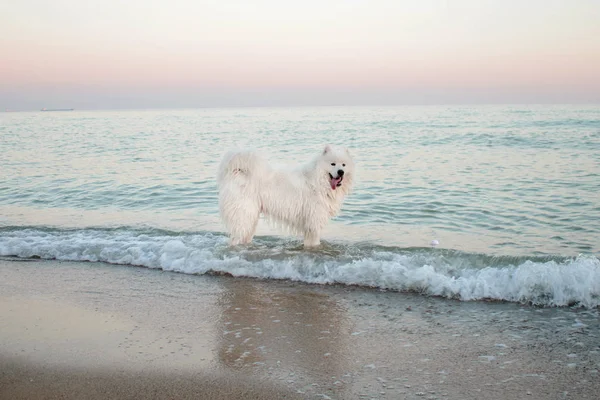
<point x="543" y="281"/>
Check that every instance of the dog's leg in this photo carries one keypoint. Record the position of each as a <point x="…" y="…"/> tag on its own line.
<point x="241" y="218"/>
<point x="243" y="225"/>
<point x="311" y="239"/>
<point x="313" y="227"/>
<point x="251" y="229"/>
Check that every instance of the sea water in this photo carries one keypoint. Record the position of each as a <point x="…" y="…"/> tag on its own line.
<point x="466" y="202"/>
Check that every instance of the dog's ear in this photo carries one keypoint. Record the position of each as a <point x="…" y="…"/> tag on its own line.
<point x="348" y="152"/>
<point x="327" y="149"/>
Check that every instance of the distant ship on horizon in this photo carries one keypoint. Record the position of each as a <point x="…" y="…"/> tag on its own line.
<point x="56" y="109"/>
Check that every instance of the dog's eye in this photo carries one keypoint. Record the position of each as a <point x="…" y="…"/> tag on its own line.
<point x="343" y="165"/>
<point x="333" y="164"/>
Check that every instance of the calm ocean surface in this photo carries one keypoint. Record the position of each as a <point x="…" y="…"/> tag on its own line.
<point x="511" y="193"/>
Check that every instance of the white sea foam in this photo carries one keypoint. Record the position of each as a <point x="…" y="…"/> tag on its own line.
<point x="554" y="282"/>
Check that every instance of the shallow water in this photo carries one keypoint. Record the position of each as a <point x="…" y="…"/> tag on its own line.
<point x="509" y="192"/>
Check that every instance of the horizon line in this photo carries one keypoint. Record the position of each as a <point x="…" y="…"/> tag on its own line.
<point x="71" y="109"/>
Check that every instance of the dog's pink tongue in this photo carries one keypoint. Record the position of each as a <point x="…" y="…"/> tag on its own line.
<point x="334" y="182"/>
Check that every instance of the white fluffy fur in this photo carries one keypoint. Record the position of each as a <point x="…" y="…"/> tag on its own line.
<point x="301" y="199"/>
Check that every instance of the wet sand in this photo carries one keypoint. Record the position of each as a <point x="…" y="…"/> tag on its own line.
<point x="96" y="331"/>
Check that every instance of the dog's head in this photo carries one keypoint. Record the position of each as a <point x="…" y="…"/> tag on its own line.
<point x="338" y="166"/>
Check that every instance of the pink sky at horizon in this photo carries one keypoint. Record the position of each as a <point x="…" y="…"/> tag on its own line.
<point x="153" y="46"/>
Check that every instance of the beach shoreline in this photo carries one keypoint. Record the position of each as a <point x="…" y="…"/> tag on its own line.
<point x="94" y="330"/>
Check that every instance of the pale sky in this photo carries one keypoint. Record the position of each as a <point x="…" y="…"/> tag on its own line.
<point x="198" y="53"/>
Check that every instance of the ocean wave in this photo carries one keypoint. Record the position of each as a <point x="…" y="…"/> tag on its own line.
<point x="542" y="281"/>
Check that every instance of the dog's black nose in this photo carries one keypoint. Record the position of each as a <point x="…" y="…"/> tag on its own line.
<point x="340" y="172"/>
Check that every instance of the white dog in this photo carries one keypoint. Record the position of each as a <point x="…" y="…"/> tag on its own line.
<point x="302" y="199"/>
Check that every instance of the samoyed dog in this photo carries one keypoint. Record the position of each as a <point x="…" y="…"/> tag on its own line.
<point x="301" y="199"/>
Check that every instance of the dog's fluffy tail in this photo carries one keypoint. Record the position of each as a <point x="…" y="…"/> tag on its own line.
<point x="241" y="164"/>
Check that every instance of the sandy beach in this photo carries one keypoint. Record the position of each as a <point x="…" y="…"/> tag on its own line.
<point x="97" y="331"/>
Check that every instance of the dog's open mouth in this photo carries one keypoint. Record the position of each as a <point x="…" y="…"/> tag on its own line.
<point x="336" y="182"/>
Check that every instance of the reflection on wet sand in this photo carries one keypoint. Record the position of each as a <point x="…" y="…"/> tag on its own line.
<point x="264" y="327"/>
